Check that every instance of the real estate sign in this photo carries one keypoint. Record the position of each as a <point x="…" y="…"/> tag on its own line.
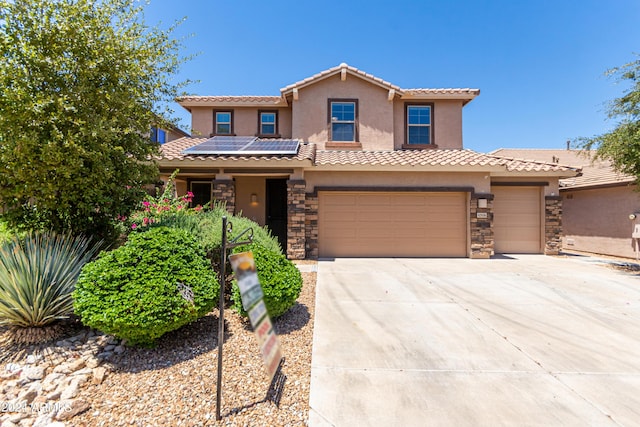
<point x="244" y="267"/>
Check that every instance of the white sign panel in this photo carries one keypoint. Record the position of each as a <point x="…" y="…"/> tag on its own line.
<point x="244" y="267"/>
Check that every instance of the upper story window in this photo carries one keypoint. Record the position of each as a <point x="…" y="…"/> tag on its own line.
<point x="419" y="120"/>
<point x="268" y="123"/>
<point x="223" y="124"/>
<point x="158" y="135"/>
<point x="343" y="118"/>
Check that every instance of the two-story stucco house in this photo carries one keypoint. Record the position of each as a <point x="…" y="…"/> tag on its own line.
<point x="345" y="164"/>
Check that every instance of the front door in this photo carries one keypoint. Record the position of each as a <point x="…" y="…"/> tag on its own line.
<point x="277" y="210"/>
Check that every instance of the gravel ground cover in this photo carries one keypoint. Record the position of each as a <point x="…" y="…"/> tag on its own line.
<point x="174" y="384"/>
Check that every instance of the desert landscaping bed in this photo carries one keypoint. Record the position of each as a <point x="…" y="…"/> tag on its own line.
<point x="173" y="384"/>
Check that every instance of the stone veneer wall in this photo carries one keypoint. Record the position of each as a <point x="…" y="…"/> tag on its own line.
<point x="552" y="225"/>
<point x="311" y="225"/>
<point x="482" y="238"/>
<point x="224" y="190"/>
<point x="296" y="219"/>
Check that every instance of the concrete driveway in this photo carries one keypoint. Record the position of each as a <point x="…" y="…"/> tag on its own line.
<point x="520" y="340"/>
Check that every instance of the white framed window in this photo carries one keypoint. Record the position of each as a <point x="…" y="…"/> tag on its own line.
<point x="223" y="122"/>
<point x="268" y="123"/>
<point x="419" y="124"/>
<point x="343" y="117"/>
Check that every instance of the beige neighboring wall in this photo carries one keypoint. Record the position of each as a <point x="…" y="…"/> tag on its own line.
<point x="375" y="112"/>
<point x="447" y="122"/>
<point x="599" y="220"/>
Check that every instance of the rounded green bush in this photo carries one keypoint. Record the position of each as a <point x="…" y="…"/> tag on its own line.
<point x="280" y="279"/>
<point x="156" y="282"/>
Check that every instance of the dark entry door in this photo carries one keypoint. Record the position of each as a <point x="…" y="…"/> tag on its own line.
<point x="277" y="210"/>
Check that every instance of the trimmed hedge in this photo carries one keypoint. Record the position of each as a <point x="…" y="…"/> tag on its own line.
<point x="280" y="279"/>
<point x="156" y="282"/>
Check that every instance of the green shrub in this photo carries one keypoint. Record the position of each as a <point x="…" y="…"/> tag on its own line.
<point x="37" y="277"/>
<point x="5" y="233"/>
<point x="140" y="291"/>
<point x="280" y="279"/>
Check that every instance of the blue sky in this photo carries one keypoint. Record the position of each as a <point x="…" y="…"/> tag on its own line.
<point x="539" y="64"/>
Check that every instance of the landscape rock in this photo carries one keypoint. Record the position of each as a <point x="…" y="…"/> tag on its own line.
<point x="98" y="375"/>
<point x="71" y="408"/>
<point x="70" y="391"/>
<point x="32" y="373"/>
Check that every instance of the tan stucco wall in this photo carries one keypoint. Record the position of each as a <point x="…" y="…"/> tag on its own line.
<point x="447" y="124"/>
<point x="201" y="121"/>
<point x="375" y="112"/>
<point x="598" y="220"/>
<point x="245" y="186"/>
<point x="245" y="120"/>
<point x="395" y="179"/>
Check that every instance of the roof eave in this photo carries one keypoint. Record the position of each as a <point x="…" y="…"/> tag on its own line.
<point x="227" y="104"/>
<point x="464" y="97"/>
<point x="407" y="168"/>
<point x="556" y="174"/>
<point x="215" y="162"/>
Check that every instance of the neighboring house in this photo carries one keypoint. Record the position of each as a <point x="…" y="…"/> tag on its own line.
<point x="345" y="164"/>
<point x="162" y="135"/>
<point x="596" y="205"/>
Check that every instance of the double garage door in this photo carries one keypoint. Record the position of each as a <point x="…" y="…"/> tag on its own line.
<point x="392" y="224"/>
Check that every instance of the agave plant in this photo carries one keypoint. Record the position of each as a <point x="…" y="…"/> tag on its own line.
<point x="38" y="273"/>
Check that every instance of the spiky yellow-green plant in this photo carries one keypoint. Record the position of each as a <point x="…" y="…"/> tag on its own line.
<point x="38" y="273"/>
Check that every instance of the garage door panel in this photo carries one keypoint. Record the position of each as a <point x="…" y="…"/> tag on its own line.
<point x="517" y="219"/>
<point x="392" y="224"/>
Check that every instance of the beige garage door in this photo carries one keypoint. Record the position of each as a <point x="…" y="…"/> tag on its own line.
<point x="517" y="219"/>
<point x="392" y="224"/>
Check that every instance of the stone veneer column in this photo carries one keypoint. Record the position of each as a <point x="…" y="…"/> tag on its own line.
<point x="311" y="225"/>
<point x="224" y="190"/>
<point x="481" y="228"/>
<point x="552" y="225"/>
<point x="296" y="219"/>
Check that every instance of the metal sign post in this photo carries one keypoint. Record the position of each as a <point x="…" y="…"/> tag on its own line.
<point x="227" y="228"/>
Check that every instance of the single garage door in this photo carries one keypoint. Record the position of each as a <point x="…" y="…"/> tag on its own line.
<point x="517" y="219"/>
<point x="392" y="224"/>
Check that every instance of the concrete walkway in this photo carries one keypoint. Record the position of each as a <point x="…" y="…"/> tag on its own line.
<point x="520" y="340"/>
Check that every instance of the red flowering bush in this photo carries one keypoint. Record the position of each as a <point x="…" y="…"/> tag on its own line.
<point x="154" y="209"/>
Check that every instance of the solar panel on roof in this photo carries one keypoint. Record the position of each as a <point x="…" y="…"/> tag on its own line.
<point x="244" y="145"/>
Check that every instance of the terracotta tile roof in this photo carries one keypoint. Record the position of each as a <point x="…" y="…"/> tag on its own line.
<point x="432" y="158"/>
<point x="248" y="99"/>
<point x="595" y="173"/>
<point x="173" y="151"/>
<point x="448" y="91"/>
<point x="335" y="70"/>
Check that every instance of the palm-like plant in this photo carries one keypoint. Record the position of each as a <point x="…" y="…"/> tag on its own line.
<point x="38" y="273"/>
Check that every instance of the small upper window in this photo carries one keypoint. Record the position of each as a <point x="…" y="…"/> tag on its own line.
<point x="419" y="124"/>
<point x="223" y="122"/>
<point x="158" y="135"/>
<point x="268" y="123"/>
<point x="343" y="120"/>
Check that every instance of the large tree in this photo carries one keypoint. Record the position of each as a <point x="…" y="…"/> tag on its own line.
<point x="621" y="145"/>
<point x="81" y="84"/>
